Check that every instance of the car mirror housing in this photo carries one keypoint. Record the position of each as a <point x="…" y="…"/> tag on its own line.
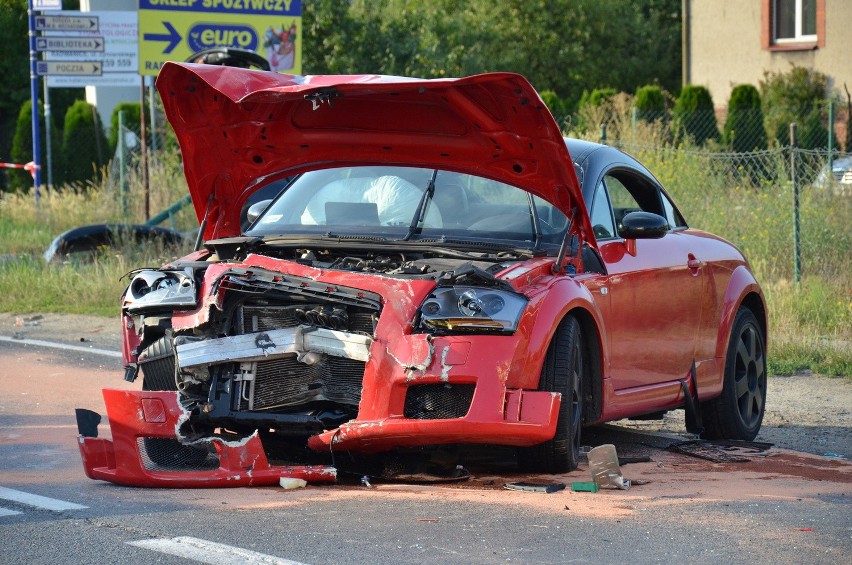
<point x="256" y="210"/>
<point x="643" y="225"/>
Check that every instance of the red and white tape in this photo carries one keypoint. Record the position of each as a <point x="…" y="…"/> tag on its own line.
<point x="29" y="167"/>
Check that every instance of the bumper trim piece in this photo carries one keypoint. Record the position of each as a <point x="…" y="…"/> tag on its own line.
<point x="273" y="344"/>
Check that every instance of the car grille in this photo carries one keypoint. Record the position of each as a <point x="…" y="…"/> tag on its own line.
<point x="258" y="318"/>
<point x="438" y="401"/>
<point x="286" y="382"/>
<point x="162" y="454"/>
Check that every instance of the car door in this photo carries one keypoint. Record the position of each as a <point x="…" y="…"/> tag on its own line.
<point x="654" y="285"/>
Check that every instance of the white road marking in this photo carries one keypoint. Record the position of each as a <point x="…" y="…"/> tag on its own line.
<point x="37" y="501"/>
<point x="7" y="512"/>
<point x="210" y="552"/>
<point x="65" y="346"/>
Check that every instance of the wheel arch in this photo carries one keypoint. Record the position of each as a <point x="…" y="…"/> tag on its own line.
<point x="743" y="290"/>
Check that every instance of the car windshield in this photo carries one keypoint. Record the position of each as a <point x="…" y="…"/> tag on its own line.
<point x="410" y="203"/>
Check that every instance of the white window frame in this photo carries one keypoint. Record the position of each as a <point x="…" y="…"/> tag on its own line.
<point x="798" y="37"/>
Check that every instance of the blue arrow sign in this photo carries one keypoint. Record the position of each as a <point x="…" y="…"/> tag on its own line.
<point x="173" y="37"/>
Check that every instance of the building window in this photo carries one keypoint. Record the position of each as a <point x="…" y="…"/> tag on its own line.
<point x="792" y="25"/>
<point x="794" y="21"/>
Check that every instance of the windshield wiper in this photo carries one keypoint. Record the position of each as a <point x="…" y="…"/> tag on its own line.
<point x="420" y="216"/>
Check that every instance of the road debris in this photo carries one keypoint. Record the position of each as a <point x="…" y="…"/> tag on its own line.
<point x="603" y="464"/>
<point x="584" y="486"/>
<point x="547" y="488"/>
<point x="288" y="483"/>
<point x="722" y="451"/>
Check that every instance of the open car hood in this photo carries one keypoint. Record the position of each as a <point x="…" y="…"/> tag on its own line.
<point x="236" y="126"/>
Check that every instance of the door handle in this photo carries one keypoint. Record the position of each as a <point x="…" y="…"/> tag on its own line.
<point x="693" y="262"/>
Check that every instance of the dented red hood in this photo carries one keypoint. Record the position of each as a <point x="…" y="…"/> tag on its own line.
<point x="235" y="126"/>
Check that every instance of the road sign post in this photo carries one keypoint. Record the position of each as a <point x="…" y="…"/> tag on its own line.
<point x="34" y="98"/>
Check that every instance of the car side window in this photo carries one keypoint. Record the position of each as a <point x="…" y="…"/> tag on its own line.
<point x="628" y="194"/>
<point x="672" y="215"/>
<point x="601" y="215"/>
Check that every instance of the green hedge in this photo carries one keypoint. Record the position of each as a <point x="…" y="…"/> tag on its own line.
<point x="84" y="145"/>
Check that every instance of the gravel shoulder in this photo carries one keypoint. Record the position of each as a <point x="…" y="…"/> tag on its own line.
<point x="805" y="412"/>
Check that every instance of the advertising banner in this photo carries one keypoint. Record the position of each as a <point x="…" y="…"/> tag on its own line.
<point x="173" y="31"/>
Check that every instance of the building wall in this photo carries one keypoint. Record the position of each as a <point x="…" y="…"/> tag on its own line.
<point x="725" y="46"/>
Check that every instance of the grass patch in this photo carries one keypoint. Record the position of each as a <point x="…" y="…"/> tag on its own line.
<point x="810" y="325"/>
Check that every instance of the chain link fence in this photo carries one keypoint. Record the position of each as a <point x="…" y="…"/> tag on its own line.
<point x="785" y="203"/>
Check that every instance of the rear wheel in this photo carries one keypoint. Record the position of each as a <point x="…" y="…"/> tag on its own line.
<point x="738" y="412"/>
<point x="157" y="364"/>
<point x="563" y="372"/>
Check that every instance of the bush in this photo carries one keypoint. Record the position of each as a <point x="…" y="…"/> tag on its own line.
<point x="83" y="144"/>
<point x="650" y="103"/>
<point x="22" y="147"/>
<point x="597" y="97"/>
<point x="132" y="121"/>
<point x="796" y="96"/>
<point x="694" y="115"/>
<point x="556" y="105"/>
<point x="744" y="129"/>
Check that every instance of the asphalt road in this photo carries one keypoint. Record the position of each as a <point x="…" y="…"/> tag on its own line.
<point x="782" y="507"/>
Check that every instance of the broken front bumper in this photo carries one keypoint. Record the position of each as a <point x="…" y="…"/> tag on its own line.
<point x="137" y="415"/>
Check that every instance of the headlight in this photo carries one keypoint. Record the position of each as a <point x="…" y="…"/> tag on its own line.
<point x="160" y="290"/>
<point x="471" y="310"/>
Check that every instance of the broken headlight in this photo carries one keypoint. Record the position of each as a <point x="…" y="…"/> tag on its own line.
<point x="471" y="310"/>
<point x="160" y="290"/>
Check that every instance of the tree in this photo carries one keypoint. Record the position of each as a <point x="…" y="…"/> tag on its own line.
<point x="694" y="115"/>
<point x="798" y="95"/>
<point x="650" y="103"/>
<point x="554" y="104"/>
<point x="83" y="143"/>
<point x="562" y="45"/>
<point x="744" y="130"/>
<point x="132" y="121"/>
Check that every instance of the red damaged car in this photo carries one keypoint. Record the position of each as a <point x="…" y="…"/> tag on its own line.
<point x="439" y="267"/>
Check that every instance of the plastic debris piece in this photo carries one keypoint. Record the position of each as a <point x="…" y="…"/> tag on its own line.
<point x="835" y="455"/>
<point x="580" y="486"/>
<point x="289" y="483"/>
<point x="546" y="488"/>
<point x="603" y="464"/>
<point x="635" y="459"/>
<point x="365" y="480"/>
<point x="722" y="451"/>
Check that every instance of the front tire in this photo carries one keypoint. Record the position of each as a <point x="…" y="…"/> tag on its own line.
<point x="738" y="412"/>
<point x="563" y="372"/>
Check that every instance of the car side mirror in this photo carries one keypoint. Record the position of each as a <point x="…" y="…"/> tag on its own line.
<point x="643" y="225"/>
<point x="256" y="209"/>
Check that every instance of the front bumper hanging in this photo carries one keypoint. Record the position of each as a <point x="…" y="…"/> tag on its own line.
<point x="135" y="416"/>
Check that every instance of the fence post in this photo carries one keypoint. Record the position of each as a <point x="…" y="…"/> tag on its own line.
<point x="603" y="133"/>
<point x="122" y="175"/>
<point x="830" y="132"/>
<point x="797" y="249"/>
